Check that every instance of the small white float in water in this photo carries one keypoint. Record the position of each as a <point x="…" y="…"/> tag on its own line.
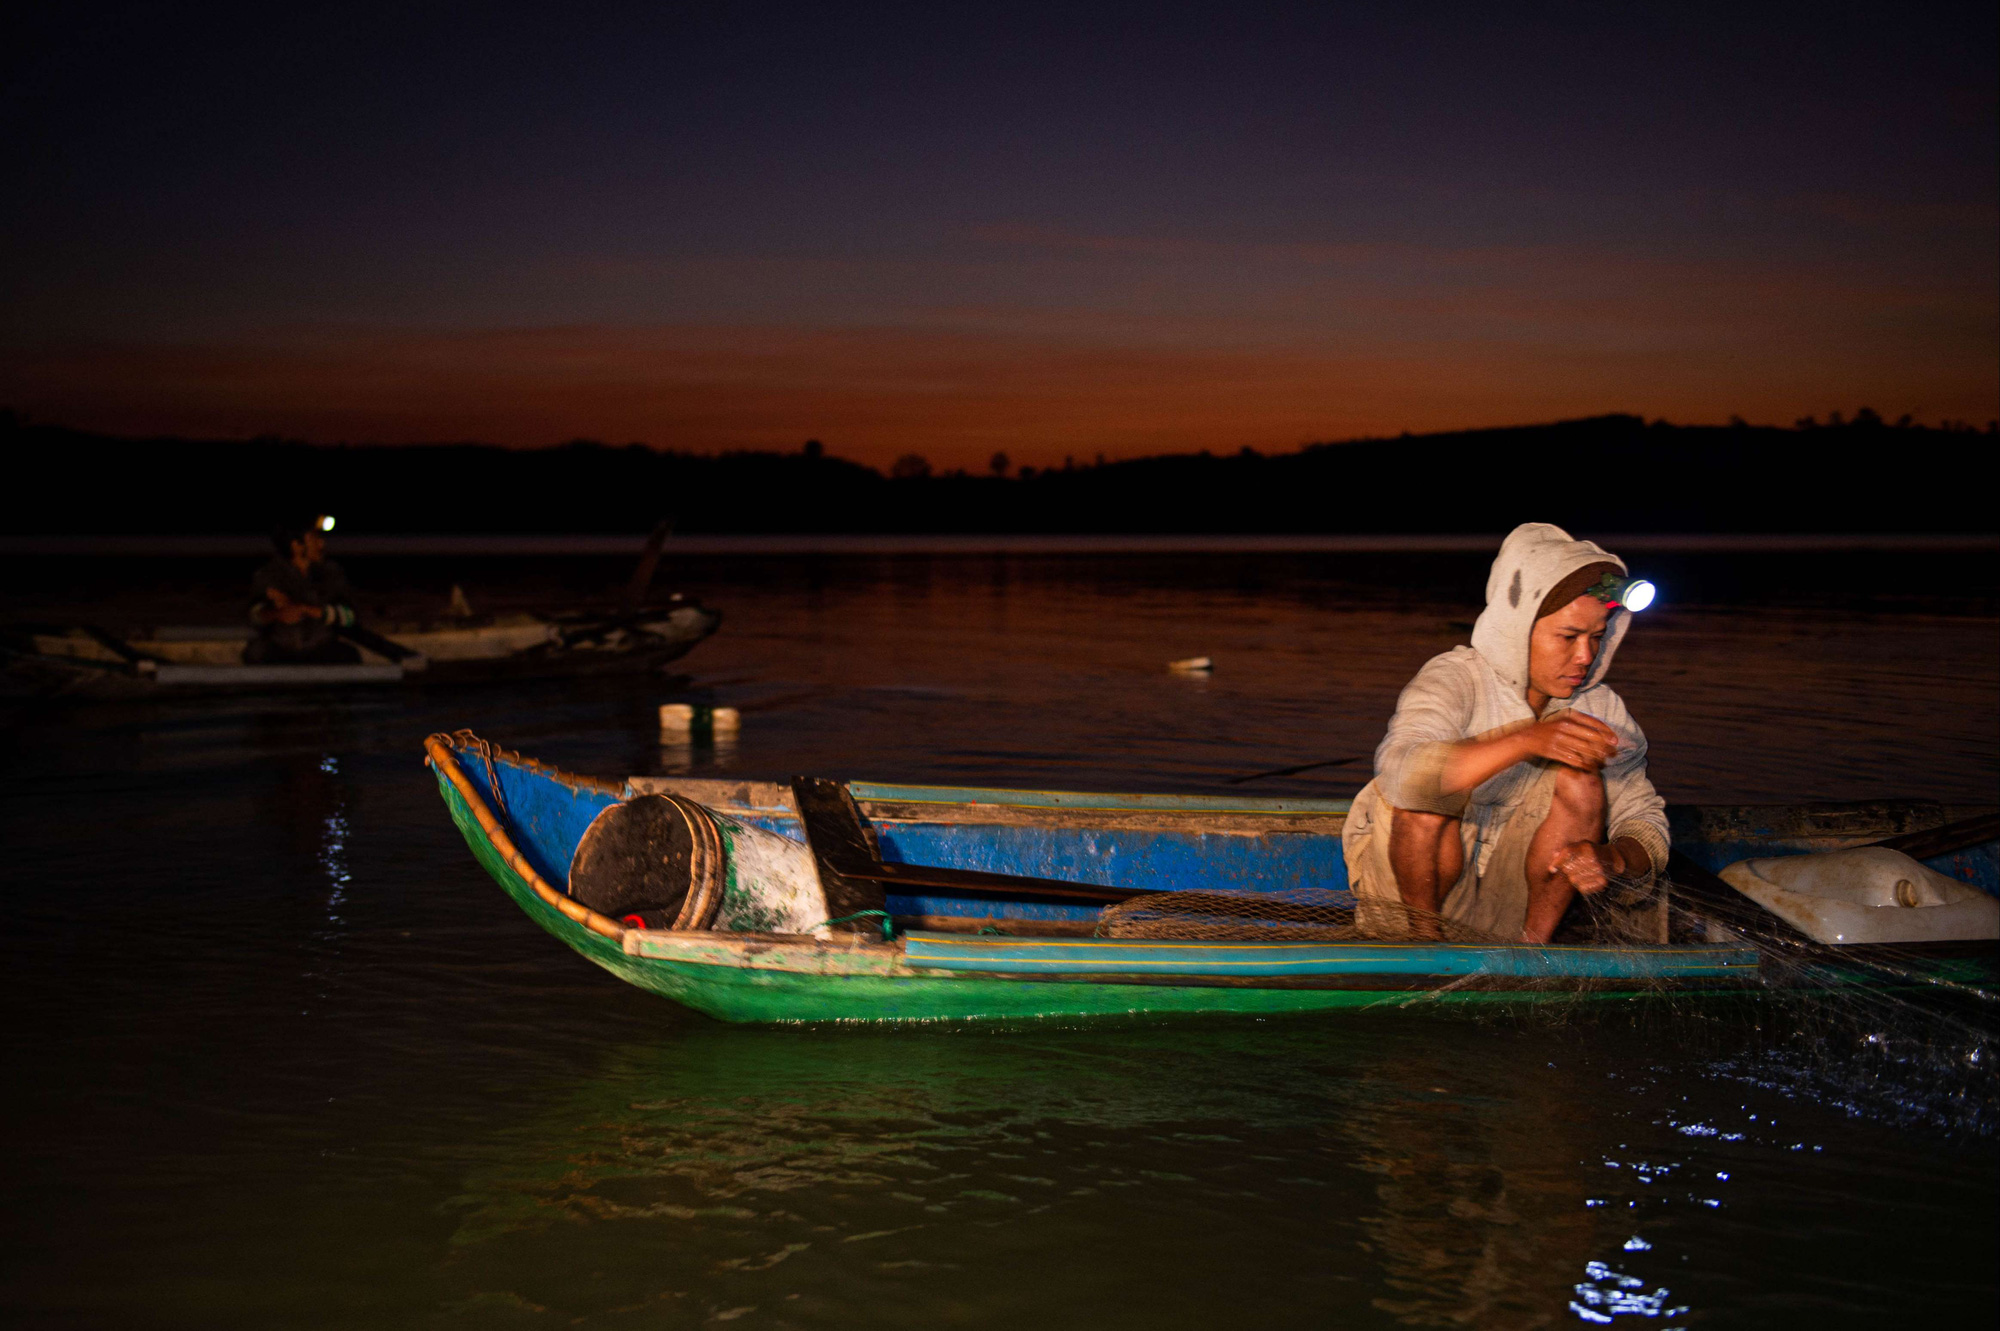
<point x="1193" y="665"/>
<point x="682" y="718"/>
<point x="1866" y="895"/>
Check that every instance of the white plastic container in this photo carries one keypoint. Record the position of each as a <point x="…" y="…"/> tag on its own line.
<point x="1866" y="895"/>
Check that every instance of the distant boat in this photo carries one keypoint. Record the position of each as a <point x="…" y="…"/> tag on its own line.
<point x="89" y="661"/>
<point x="982" y="904"/>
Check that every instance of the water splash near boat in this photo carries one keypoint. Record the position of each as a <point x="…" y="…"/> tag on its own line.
<point x="1908" y="1035"/>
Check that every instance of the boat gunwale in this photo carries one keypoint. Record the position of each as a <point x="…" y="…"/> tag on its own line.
<point x="1716" y="965"/>
<point x="1001" y="806"/>
<point x="486" y="748"/>
<point x="1415" y="983"/>
<point x="879" y="792"/>
<point x="1819" y="824"/>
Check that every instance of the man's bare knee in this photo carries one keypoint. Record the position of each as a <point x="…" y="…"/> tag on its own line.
<point x="1415" y="832"/>
<point x="1417" y="822"/>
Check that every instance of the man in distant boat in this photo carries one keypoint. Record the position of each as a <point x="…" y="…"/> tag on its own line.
<point x="301" y="602"/>
<point x="1512" y="778"/>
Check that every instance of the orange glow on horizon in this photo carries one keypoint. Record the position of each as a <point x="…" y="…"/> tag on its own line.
<point x="955" y="397"/>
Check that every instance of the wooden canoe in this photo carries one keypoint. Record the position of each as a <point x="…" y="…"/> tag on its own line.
<point x="86" y="661"/>
<point x="962" y="949"/>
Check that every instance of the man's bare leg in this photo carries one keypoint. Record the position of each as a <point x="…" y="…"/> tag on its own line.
<point x="1428" y="857"/>
<point x="1575" y="814"/>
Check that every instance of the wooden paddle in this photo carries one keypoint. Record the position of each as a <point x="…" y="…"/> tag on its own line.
<point x="116" y="645"/>
<point x="855" y="877"/>
<point x="382" y="646"/>
<point x="642" y="576"/>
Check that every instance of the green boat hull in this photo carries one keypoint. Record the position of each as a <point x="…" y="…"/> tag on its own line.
<point x="955" y="957"/>
<point x="861" y="986"/>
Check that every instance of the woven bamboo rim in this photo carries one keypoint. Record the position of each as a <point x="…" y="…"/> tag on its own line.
<point x="466" y="739"/>
<point x="442" y="753"/>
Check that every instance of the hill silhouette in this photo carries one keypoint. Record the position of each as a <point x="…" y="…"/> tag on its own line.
<point x="1615" y="472"/>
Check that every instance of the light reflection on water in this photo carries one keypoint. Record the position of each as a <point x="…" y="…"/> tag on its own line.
<point x="333" y="852"/>
<point x="1608" y="1294"/>
<point x="287" y="1057"/>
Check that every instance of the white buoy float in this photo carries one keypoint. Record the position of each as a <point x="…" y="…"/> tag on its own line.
<point x="683" y="719"/>
<point x="1192" y="665"/>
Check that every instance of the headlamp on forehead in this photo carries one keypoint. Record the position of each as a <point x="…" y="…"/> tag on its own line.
<point x="324" y="522"/>
<point x="1635" y="594"/>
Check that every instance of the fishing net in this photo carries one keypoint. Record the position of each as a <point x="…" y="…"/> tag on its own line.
<point x="1898" y="1033"/>
<point x="1890" y="1032"/>
<point x="1628" y="913"/>
<point x="1303" y="916"/>
<point x="1901" y="1034"/>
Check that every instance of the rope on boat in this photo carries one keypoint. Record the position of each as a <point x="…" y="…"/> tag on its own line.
<point x="888" y="923"/>
<point x="465" y="739"/>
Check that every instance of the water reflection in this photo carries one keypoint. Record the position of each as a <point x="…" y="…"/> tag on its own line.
<point x="1296" y="1170"/>
<point x="682" y="755"/>
<point x="393" y="1101"/>
<point x="1605" y="1294"/>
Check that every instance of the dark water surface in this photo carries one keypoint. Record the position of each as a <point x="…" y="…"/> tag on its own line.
<point x="280" y="1055"/>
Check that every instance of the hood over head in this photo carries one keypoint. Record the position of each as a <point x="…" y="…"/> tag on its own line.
<point x="1533" y="560"/>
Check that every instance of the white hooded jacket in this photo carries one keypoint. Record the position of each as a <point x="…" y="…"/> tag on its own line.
<point x="1480" y="691"/>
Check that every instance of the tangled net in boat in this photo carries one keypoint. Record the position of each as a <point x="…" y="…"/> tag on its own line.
<point x="1304" y="915"/>
<point x="1630" y="912"/>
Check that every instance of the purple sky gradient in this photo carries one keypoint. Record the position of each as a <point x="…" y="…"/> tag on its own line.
<point x="1059" y="231"/>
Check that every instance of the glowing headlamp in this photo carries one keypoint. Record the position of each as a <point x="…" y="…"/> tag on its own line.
<point x="325" y="522"/>
<point x="1635" y="594"/>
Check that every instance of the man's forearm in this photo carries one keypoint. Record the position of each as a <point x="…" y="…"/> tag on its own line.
<point x="1475" y="760"/>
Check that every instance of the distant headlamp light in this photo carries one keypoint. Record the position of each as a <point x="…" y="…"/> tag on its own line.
<point x="1635" y="594"/>
<point x="325" y="523"/>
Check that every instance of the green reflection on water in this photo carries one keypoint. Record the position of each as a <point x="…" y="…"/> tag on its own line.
<point x="1279" y="1170"/>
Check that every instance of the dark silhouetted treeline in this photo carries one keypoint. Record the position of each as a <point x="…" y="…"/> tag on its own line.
<point x="1606" y="473"/>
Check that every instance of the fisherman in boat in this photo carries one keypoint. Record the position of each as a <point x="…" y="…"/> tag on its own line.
<point x="1511" y="778"/>
<point x="301" y="602"/>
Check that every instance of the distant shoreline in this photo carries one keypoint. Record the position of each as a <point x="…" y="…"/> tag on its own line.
<point x="1605" y="473"/>
<point x="797" y="545"/>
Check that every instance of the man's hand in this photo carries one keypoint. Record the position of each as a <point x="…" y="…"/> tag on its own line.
<point x="1587" y="865"/>
<point x="1573" y="739"/>
<point x="289" y="611"/>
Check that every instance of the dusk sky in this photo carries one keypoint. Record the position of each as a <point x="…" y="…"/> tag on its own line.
<point x="951" y="230"/>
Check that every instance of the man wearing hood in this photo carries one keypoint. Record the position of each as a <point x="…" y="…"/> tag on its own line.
<point x="1511" y="778"/>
